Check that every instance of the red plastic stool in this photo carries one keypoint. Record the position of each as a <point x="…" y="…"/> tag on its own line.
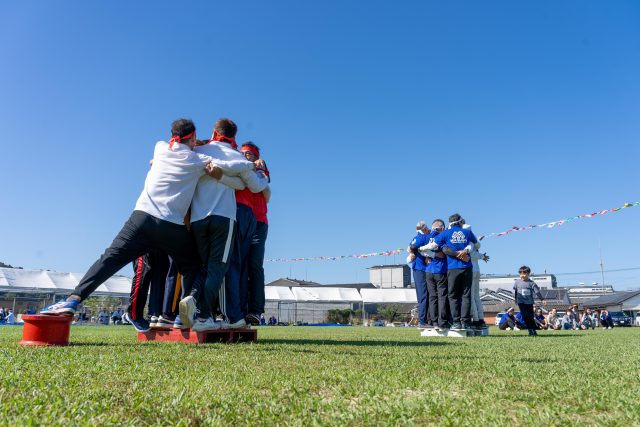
<point x="46" y="330"/>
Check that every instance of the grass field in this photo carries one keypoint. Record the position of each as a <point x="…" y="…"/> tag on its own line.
<point x="324" y="376"/>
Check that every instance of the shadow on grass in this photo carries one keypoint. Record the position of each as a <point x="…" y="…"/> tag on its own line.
<point x="539" y="336"/>
<point x="356" y="343"/>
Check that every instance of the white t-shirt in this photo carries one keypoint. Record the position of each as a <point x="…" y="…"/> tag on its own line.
<point x="171" y="181"/>
<point x="213" y="197"/>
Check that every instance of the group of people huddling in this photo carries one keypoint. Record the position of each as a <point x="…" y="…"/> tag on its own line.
<point x="444" y="261"/>
<point x="447" y="278"/>
<point x="196" y="236"/>
<point x="572" y="319"/>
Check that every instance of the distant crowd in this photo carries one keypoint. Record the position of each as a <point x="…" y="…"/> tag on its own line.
<point x="6" y="316"/>
<point x="573" y="319"/>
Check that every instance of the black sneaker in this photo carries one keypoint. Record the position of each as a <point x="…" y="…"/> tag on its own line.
<point x="164" y="323"/>
<point x="141" y="325"/>
<point x="466" y="325"/>
<point x="456" y="325"/>
<point x="252" y="319"/>
<point x="482" y="324"/>
<point x="445" y="326"/>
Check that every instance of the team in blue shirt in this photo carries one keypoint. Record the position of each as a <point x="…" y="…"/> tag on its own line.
<point x="445" y="282"/>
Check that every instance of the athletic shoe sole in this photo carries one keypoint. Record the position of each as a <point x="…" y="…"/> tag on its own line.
<point x="187" y="311"/>
<point x="162" y="325"/>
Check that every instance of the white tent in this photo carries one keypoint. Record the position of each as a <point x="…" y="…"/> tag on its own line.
<point x="278" y="293"/>
<point x="325" y="294"/>
<point x="373" y="296"/>
<point x="41" y="281"/>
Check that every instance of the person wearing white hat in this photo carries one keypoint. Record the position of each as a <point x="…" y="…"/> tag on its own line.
<point x="419" y="268"/>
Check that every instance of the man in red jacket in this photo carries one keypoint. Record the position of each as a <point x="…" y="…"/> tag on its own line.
<point x="253" y="286"/>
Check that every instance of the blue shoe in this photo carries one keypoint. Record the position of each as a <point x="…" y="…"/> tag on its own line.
<point x="141" y="325"/>
<point x="62" y="308"/>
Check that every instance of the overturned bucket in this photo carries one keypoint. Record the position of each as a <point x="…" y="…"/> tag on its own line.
<point x="46" y="330"/>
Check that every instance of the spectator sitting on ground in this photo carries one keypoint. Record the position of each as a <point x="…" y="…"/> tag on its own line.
<point x="569" y="320"/>
<point x="587" y="321"/>
<point x="10" y="319"/>
<point x="508" y="321"/>
<point x="541" y="322"/>
<point x="553" y="321"/>
<point x="605" y="319"/>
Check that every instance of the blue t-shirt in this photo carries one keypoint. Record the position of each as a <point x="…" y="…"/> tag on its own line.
<point x="437" y="265"/>
<point x="420" y="240"/>
<point x="504" y="318"/>
<point x="519" y="318"/>
<point x="457" y="238"/>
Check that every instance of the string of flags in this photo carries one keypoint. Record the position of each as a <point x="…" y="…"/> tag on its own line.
<point x="513" y="229"/>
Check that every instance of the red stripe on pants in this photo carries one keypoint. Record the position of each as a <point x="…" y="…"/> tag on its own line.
<point x="136" y="290"/>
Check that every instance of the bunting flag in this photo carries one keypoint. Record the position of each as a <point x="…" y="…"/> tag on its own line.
<point x="513" y="229"/>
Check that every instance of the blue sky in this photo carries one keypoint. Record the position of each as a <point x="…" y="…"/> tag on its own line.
<point x="371" y="115"/>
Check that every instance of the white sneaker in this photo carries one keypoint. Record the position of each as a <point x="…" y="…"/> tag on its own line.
<point x="206" y="325"/>
<point x="515" y="328"/>
<point x="187" y="311"/>
<point x="240" y="324"/>
<point x="153" y="321"/>
<point x="609" y="327"/>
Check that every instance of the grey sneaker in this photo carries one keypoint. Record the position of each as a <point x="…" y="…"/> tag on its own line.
<point x="240" y="324"/>
<point x="187" y="311"/>
<point x="206" y="325"/>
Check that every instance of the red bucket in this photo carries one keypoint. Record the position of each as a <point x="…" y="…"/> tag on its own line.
<point x="46" y="330"/>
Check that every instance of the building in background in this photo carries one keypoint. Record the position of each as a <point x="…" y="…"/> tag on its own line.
<point x="583" y="293"/>
<point x="390" y="276"/>
<point x="490" y="282"/>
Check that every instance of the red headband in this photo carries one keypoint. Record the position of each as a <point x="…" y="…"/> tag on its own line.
<point x="217" y="137"/>
<point x="250" y="149"/>
<point x="178" y="139"/>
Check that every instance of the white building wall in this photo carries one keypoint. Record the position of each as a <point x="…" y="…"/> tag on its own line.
<point x="386" y="278"/>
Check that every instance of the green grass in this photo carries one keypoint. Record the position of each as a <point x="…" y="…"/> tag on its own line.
<point x="324" y="376"/>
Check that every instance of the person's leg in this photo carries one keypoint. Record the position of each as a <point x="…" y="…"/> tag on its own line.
<point x="432" y="292"/>
<point x="160" y="263"/>
<point x="465" y="281"/>
<point x="443" y="299"/>
<point x="179" y="244"/>
<point x="528" y="316"/>
<point x="233" y="298"/>
<point x="476" y="307"/>
<point x="214" y="237"/>
<point x="256" y="270"/>
<point x="454" y="293"/>
<point x="419" y="278"/>
<point x="172" y="291"/>
<point x="130" y="243"/>
<point x="139" y="287"/>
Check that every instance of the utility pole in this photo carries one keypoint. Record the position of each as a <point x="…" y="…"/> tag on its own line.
<point x="601" y="267"/>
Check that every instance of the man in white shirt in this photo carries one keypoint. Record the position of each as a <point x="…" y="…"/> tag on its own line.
<point x="213" y="222"/>
<point x="157" y="220"/>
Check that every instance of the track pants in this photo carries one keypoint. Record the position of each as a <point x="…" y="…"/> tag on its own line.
<point x="437" y="290"/>
<point x="459" y="281"/>
<point x="526" y="310"/>
<point x="477" y="311"/>
<point x="173" y="291"/>
<point x="214" y="239"/>
<point x="420" y="279"/>
<point x="141" y="234"/>
<point x="150" y="272"/>
<point x="233" y="303"/>
<point x="255" y="261"/>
